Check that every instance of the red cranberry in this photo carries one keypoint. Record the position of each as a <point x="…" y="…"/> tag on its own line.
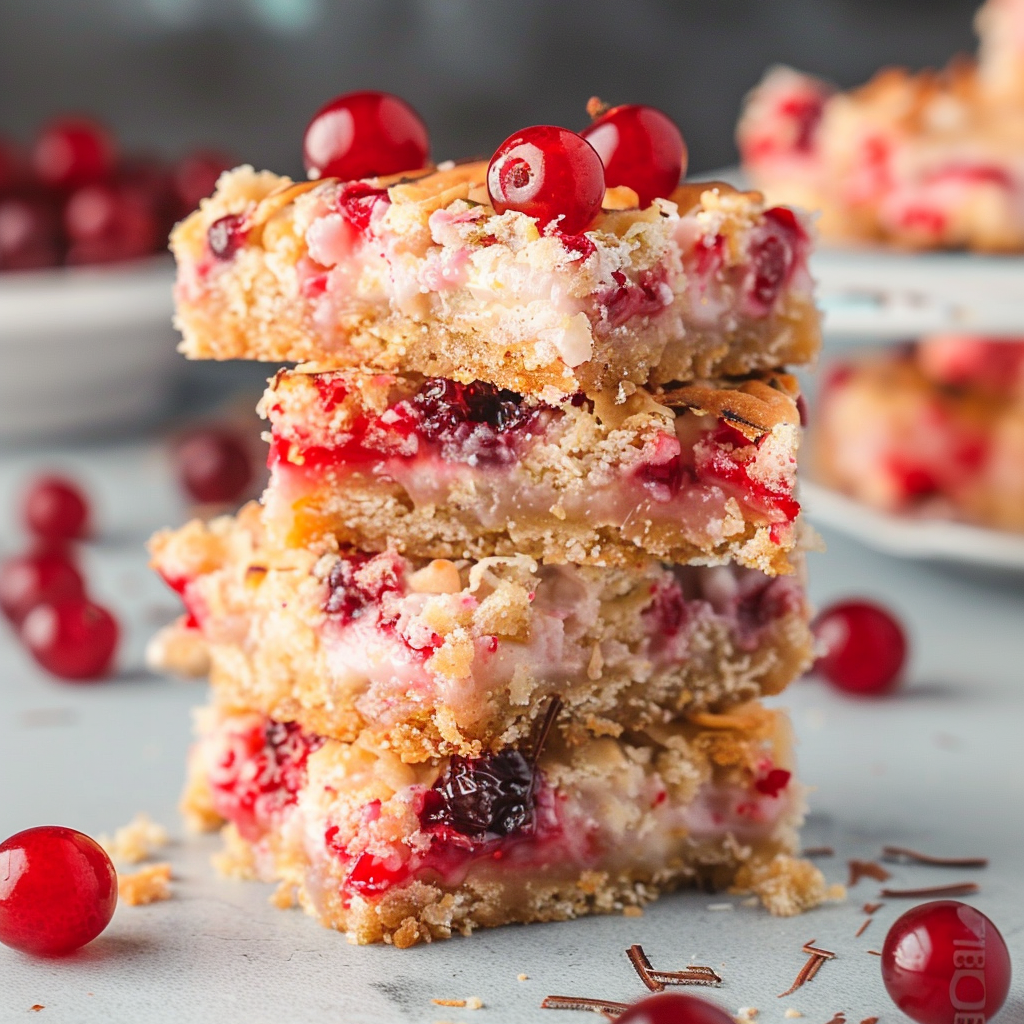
<point x="446" y="406"/>
<point x="30" y="232"/>
<point x="641" y="148"/>
<point x="56" y="509"/>
<point x="548" y="173"/>
<point x="259" y="773"/>
<point x="214" y="465"/>
<point x="351" y="592"/>
<point x="28" y="580"/>
<point x="226" y="235"/>
<point x="363" y="135"/>
<point x="73" y="151"/>
<point x="58" y="890"/>
<point x="12" y="166"/>
<point x="946" y="963"/>
<point x="108" y="222"/>
<point x="674" y="1008"/>
<point x="773" y="254"/>
<point x="72" y="638"/>
<point x="865" y="647"/>
<point x="195" y="177"/>
<point x="483" y="797"/>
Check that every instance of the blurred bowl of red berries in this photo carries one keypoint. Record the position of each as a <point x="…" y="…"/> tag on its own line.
<point x="85" y="279"/>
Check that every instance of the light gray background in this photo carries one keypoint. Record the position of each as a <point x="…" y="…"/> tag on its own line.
<point x="937" y="767"/>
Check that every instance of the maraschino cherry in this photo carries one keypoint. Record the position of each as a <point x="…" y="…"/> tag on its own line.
<point x="640" y="148"/>
<point x="674" y="1008"/>
<point x="549" y="173"/>
<point x="946" y="963"/>
<point x="73" y="638"/>
<point x="56" y="509"/>
<point x="58" y="890"/>
<point x="865" y="647"/>
<point x="364" y="135"/>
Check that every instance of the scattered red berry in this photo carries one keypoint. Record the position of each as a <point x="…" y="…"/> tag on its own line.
<point x="56" y="509"/>
<point x="73" y="151"/>
<point x="73" y="638"/>
<point x="548" y="173"/>
<point x="865" y="647"/>
<point x="30" y="232"/>
<point x="58" y="890"/>
<point x="28" y="580"/>
<point x="196" y="175"/>
<point x="214" y="465"/>
<point x="946" y="963"/>
<point x="12" y="166"/>
<point x="674" y="1008"/>
<point x="641" y="148"/>
<point x="363" y="135"/>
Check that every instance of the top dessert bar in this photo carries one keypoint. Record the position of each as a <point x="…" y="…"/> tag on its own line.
<point x="923" y="160"/>
<point x="421" y="275"/>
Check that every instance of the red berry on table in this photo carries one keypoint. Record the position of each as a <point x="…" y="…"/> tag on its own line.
<point x="30" y="231"/>
<point x="72" y="638"/>
<point x="549" y="173"/>
<point x="13" y="169"/>
<point x="865" y="647"/>
<point x="107" y="222"/>
<point x="56" y="509"/>
<point x="195" y="177"/>
<point x="946" y="963"/>
<point x="364" y="135"/>
<point x="641" y="148"/>
<point x="28" y="580"/>
<point x="58" y="890"/>
<point x="73" y="151"/>
<point x="214" y="465"/>
<point x="674" y="1008"/>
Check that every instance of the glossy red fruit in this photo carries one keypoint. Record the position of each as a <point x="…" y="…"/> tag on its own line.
<point x="73" y="151"/>
<point x="72" y="638"/>
<point x="214" y="465"/>
<point x="108" y="222"/>
<point x="548" y="173"/>
<point x="58" y="890"/>
<point x="363" y="135"/>
<point x="674" y="1008"/>
<point x="195" y="177"/>
<point x="641" y="148"/>
<point x="28" y="580"/>
<point x="55" y="509"/>
<point x="946" y="963"/>
<point x="30" y="231"/>
<point x="13" y="166"/>
<point x="865" y="647"/>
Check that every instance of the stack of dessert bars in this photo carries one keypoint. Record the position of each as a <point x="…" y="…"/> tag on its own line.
<point x="493" y="645"/>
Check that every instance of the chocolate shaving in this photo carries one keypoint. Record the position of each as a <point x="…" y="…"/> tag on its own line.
<point x="610" y="1009"/>
<point x="818" y="851"/>
<point x="874" y="952"/>
<point x="656" y="981"/>
<point x="870" y="908"/>
<point x="869" y="1020"/>
<point x="541" y="736"/>
<point x="863" y="928"/>
<point x="901" y="854"/>
<point x="866" y="869"/>
<point x="956" y="889"/>
<point x="817" y="957"/>
<point x="839" y="1018"/>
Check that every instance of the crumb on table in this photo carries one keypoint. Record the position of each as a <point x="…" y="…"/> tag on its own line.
<point x="136" y="841"/>
<point x="147" y="885"/>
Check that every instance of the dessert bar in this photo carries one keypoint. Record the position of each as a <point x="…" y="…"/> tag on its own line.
<point x="700" y="473"/>
<point x="443" y="656"/>
<point x="384" y="850"/>
<point x="423" y="276"/>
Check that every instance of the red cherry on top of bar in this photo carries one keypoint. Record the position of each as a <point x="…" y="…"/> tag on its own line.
<point x="58" y="890"/>
<point x="364" y="135"/>
<point x="73" y="638"/>
<point x="549" y="173"/>
<point x="28" y="580"/>
<point x="641" y="148"/>
<point x="865" y="647"/>
<point x="674" y="1008"/>
<point x="73" y="151"/>
<point x="56" y="509"/>
<point x="946" y="963"/>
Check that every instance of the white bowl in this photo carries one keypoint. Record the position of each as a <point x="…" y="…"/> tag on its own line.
<point x="85" y="349"/>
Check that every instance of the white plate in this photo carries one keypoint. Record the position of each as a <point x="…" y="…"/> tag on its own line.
<point x="936" y="540"/>
<point x="85" y="349"/>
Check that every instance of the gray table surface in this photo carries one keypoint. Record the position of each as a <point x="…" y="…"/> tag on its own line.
<point x="937" y="767"/>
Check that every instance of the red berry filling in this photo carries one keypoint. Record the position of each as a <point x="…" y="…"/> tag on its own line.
<point x="647" y="296"/>
<point x="226" y="235"/>
<point x="357" y="583"/>
<point x="775" y="249"/>
<point x="259" y="772"/>
<point x="357" y="202"/>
